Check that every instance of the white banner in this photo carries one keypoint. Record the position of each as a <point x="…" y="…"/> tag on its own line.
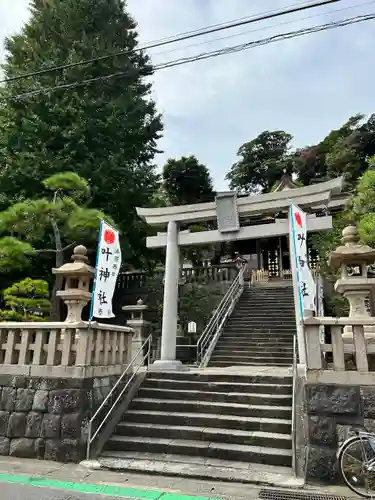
<point x="305" y="280"/>
<point x="108" y="262"/>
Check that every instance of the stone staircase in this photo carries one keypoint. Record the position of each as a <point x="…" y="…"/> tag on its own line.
<point x="208" y="423"/>
<point x="260" y="330"/>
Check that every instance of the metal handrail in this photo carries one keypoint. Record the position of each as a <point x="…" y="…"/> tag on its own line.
<point x="294" y="444"/>
<point x="220" y="315"/>
<point x="91" y="437"/>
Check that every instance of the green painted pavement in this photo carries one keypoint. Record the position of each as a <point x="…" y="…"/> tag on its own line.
<point x="97" y="489"/>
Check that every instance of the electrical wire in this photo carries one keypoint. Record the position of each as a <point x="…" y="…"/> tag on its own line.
<point x="202" y="56"/>
<point x="263" y="28"/>
<point x="272" y="39"/>
<point x="179" y="38"/>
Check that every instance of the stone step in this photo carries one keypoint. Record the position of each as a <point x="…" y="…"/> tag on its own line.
<point x="271" y="299"/>
<point x="179" y="385"/>
<point x="261" y="324"/>
<point x="199" y="468"/>
<point x="251" y="355"/>
<point x="254" y="334"/>
<point x="280" y="293"/>
<point x="258" y="330"/>
<point x="286" y="347"/>
<point x="282" y="297"/>
<point x="247" y="363"/>
<point x="254" y="304"/>
<point x="275" y="305"/>
<point x="260" y="315"/>
<point x="193" y="433"/>
<point x="261" y="328"/>
<point x="255" y="337"/>
<point x="249" y="314"/>
<point x="262" y="321"/>
<point x="269" y="349"/>
<point x="265" y="424"/>
<point x="174" y="405"/>
<point x="258" y="292"/>
<point x="218" y="397"/>
<point x="251" y="358"/>
<point x="223" y="451"/>
<point x="206" y="376"/>
<point x="262" y="311"/>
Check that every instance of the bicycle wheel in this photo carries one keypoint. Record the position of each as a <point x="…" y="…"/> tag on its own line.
<point x="355" y="468"/>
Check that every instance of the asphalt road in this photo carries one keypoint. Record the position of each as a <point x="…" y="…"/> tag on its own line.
<point x="21" y="492"/>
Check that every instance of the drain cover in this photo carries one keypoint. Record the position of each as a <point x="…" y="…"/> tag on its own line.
<point x="270" y="494"/>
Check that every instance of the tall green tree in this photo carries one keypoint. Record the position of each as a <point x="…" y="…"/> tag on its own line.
<point x="344" y="151"/>
<point x="349" y="156"/>
<point x="105" y="131"/>
<point x="262" y="162"/>
<point x="359" y="211"/>
<point x="53" y="225"/>
<point x="187" y="181"/>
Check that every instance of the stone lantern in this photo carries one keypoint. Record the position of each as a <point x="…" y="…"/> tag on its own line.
<point x="78" y="275"/>
<point x="354" y="283"/>
<point x="139" y="325"/>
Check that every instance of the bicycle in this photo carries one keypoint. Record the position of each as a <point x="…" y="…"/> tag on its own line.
<point x="356" y="457"/>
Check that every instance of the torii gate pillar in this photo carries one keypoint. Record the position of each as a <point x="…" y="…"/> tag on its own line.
<point x="170" y="304"/>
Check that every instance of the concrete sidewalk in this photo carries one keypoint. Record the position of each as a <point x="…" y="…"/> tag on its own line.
<point x="72" y="477"/>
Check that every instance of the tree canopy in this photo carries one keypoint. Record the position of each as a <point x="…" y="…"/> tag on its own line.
<point x="105" y="131"/>
<point x="27" y="300"/>
<point x="186" y="181"/>
<point x="344" y="151"/>
<point x="262" y="162"/>
<point x="51" y="225"/>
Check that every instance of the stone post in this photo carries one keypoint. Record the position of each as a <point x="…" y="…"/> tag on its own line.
<point x="140" y="327"/>
<point x="354" y="284"/>
<point x="78" y="275"/>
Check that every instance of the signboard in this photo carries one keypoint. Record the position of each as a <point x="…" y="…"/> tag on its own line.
<point x="305" y="281"/>
<point x="227" y="213"/>
<point x="108" y="262"/>
<point x="192" y="327"/>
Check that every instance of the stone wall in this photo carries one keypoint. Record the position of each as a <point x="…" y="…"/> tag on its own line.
<point x="327" y="408"/>
<point x="47" y="418"/>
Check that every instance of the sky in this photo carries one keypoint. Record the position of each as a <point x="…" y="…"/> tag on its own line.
<point x="306" y="86"/>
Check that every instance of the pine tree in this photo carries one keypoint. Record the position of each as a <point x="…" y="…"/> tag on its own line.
<point x="106" y="131"/>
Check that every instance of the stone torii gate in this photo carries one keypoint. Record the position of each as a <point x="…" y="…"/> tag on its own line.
<point x="227" y="209"/>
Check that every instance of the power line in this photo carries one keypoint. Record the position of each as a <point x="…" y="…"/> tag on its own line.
<point x="263" y="28"/>
<point x="204" y="55"/>
<point x="272" y="39"/>
<point x="179" y="38"/>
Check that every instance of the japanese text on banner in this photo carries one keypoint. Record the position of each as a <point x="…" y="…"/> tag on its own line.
<point x="108" y="264"/>
<point x="306" y="283"/>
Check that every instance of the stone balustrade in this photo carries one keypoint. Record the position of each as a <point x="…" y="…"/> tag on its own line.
<point x="73" y="350"/>
<point x="137" y="279"/>
<point x="263" y="276"/>
<point x="361" y="349"/>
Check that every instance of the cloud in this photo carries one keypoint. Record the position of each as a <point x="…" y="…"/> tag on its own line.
<point x="306" y="85"/>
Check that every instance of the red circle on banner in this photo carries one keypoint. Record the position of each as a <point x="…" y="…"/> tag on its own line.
<point x="298" y="218"/>
<point x="109" y="237"/>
